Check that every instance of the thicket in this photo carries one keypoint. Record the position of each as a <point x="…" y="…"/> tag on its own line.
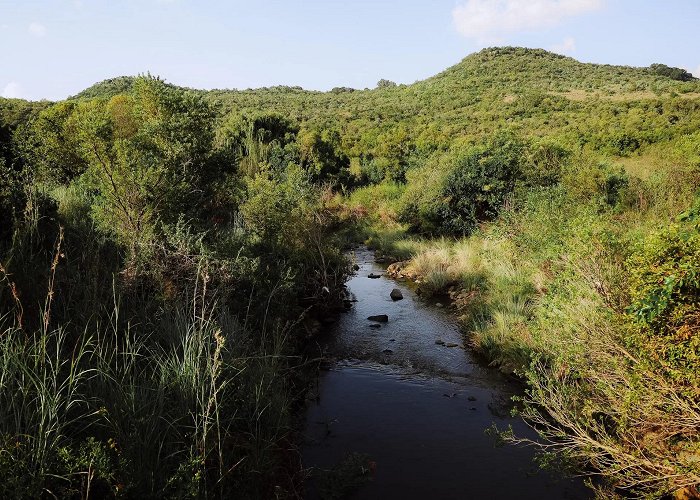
<point x="155" y="284"/>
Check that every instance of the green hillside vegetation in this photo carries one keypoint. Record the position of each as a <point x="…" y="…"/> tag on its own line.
<point x="165" y="254"/>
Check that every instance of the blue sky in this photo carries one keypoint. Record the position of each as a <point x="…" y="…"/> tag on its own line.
<point x="55" y="48"/>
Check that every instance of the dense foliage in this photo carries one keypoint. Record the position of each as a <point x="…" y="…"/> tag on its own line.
<point x="156" y="285"/>
<point x="164" y="252"/>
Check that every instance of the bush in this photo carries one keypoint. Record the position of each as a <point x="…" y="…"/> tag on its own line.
<point x="545" y="163"/>
<point x="665" y="292"/>
<point x="479" y="183"/>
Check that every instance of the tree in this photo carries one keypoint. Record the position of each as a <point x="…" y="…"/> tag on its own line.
<point x="50" y="144"/>
<point x="383" y="84"/>
<point x="673" y="73"/>
<point x="262" y="139"/>
<point x="148" y="157"/>
<point x="321" y="154"/>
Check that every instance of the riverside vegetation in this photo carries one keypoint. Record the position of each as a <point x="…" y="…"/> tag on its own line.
<point x="165" y="252"/>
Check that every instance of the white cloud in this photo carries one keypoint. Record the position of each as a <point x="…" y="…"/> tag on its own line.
<point x="37" y="29"/>
<point x="12" y="90"/>
<point x="567" y="46"/>
<point x="490" y="19"/>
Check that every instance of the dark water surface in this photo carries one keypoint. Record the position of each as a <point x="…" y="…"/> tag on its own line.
<point x="419" y="411"/>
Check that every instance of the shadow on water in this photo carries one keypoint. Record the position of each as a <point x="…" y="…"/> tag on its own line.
<point x="418" y="410"/>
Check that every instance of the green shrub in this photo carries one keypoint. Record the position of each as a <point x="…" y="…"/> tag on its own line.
<point x="665" y="293"/>
<point x="478" y="184"/>
<point x="545" y="163"/>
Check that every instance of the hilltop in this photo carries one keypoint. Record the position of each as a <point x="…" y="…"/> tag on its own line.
<point x="615" y="109"/>
<point x="502" y="67"/>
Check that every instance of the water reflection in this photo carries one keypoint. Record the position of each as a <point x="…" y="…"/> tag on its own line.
<point x="419" y="411"/>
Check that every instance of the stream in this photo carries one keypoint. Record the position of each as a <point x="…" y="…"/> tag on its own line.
<point x="418" y="409"/>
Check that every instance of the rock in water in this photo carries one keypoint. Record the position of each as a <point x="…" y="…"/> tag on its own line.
<point x="374" y="276"/>
<point x="380" y="318"/>
<point x="440" y="342"/>
<point x="396" y="294"/>
<point x="375" y="325"/>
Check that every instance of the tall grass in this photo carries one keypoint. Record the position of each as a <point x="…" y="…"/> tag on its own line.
<point x="171" y="398"/>
<point x="42" y="401"/>
<point x="189" y="417"/>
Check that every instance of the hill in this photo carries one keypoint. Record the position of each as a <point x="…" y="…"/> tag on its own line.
<point x="166" y="253"/>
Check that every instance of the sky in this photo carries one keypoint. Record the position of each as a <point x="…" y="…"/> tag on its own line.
<point x="55" y="48"/>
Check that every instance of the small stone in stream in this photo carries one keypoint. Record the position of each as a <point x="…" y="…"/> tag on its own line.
<point x="438" y="304"/>
<point x="392" y="340"/>
<point x="471" y="398"/>
<point x="355" y="267"/>
<point x="374" y="276"/>
<point x="440" y="342"/>
<point x="380" y="318"/>
<point x="388" y="351"/>
<point x="375" y="325"/>
<point x="396" y="294"/>
<point x="450" y="344"/>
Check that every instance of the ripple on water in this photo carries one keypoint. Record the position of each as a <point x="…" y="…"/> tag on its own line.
<point x="421" y="411"/>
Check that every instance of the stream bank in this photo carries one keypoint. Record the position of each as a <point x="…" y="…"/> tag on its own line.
<point x="414" y="407"/>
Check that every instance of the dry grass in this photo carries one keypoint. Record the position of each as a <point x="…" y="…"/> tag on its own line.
<point x="619" y="96"/>
<point x="490" y="288"/>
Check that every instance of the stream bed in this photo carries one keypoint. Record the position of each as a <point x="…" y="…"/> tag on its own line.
<point x="416" y="407"/>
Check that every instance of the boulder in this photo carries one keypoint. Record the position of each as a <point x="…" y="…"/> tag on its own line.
<point x="380" y="318"/>
<point x="396" y="294"/>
